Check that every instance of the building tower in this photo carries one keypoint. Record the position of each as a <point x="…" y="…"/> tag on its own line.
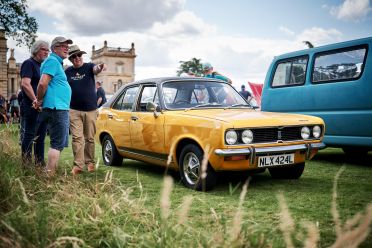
<point x="3" y="64"/>
<point x="120" y="66"/>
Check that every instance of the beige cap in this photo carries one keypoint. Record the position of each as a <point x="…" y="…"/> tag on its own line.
<point x="60" y="39"/>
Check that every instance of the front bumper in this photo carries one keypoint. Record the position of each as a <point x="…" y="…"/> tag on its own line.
<point x="252" y="152"/>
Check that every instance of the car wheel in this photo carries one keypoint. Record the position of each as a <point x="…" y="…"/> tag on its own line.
<point x="190" y="163"/>
<point x="290" y="172"/>
<point x="355" y="151"/>
<point x="110" y="155"/>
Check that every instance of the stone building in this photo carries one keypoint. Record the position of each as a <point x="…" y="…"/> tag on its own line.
<point x="10" y="80"/>
<point x="120" y="66"/>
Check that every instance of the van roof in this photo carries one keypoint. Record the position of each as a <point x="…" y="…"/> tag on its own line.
<point x="367" y="40"/>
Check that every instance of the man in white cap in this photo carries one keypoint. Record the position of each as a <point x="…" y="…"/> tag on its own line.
<point x="83" y="109"/>
<point x="53" y="97"/>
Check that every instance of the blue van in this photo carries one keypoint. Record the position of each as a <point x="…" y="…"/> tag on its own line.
<point x="333" y="82"/>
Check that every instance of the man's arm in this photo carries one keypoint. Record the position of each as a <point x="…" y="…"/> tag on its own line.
<point x="26" y="86"/>
<point x="98" y="68"/>
<point x="41" y="89"/>
<point x="99" y="95"/>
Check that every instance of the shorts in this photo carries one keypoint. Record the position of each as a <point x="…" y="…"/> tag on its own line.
<point x="58" y="123"/>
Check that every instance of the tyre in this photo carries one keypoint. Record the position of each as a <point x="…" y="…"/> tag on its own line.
<point x="355" y="151"/>
<point x="110" y="155"/>
<point x="290" y="172"/>
<point x="190" y="163"/>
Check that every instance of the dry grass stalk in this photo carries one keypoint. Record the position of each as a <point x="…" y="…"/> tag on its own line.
<point x="235" y="229"/>
<point x="24" y="195"/>
<point x="18" y="237"/>
<point x="204" y="164"/>
<point x="286" y="221"/>
<point x="185" y="208"/>
<point x="170" y="156"/>
<point x="312" y="235"/>
<point x="334" y="211"/>
<point x="165" y="197"/>
<point x="352" y="238"/>
<point x="64" y="241"/>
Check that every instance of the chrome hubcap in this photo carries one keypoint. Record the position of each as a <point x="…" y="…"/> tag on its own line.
<point x="107" y="152"/>
<point x="191" y="166"/>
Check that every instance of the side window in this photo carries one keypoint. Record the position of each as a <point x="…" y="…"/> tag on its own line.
<point x="339" y="65"/>
<point x="126" y="100"/>
<point x="290" y="72"/>
<point x="149" y="94"/>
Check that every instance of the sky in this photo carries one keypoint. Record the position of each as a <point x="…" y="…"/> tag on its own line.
<point x="238" y="37"/>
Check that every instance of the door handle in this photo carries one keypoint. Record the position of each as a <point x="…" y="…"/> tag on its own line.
<point x="134" y="118"/>
<point x="110" y="116"/>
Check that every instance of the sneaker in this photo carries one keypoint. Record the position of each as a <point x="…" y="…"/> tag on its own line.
<point x="76" y="170"/>
<point x="90" y="167"/>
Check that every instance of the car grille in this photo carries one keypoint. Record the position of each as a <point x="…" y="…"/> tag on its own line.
<point x="274" y="135"/>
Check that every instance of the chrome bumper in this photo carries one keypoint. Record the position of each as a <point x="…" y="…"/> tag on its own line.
<point x="253" y="152"/>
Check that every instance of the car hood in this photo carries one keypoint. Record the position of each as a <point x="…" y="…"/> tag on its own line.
<point x="248" y="117"/>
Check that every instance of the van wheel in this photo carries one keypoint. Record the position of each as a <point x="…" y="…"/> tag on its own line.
<point x="355" y="151"/>
<point x="110" y="154"/>
<point x="290" y="172"/>
<point x="190" y="163"/>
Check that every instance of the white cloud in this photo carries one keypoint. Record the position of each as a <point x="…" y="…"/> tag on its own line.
<point x="319" y="36"/>
<point x="93" y="17"/>
<point x="352" y="10"/>
<point x="286" y="30"/>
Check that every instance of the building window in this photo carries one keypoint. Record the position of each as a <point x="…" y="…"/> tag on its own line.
<point x="119" y="69"/>
<point x="12" y="86"/>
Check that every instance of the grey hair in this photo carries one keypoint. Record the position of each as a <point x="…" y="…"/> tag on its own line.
<point x="37" y="46"/>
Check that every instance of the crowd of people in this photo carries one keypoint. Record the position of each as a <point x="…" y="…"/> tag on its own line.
<point x="59" y="101"/>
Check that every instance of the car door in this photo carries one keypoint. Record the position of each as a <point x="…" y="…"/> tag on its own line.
<point x="119" y="118"/>
<point x="146" y="129"/>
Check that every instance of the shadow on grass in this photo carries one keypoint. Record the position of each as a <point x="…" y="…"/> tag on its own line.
<point x="335" y="155"/>
<point x="228" y="181"/>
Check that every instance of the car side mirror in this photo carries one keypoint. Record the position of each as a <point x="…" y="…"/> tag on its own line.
<point x="153" y="107"/>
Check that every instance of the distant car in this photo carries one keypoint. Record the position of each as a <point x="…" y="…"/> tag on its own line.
<point x="181" y="119"/>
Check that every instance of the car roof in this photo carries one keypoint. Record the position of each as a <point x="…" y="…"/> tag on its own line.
<point x="160" y="80"/>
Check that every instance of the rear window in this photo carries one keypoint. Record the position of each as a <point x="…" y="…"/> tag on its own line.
<point x="339" y="65"/>
<point x="290" y="72"/>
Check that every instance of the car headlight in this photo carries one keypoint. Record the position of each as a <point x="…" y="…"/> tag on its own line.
<point x="317" y="131"/>
<point x="231" y="137"/>
<point x="247" y="136"/>
<point x="305" y="132"/>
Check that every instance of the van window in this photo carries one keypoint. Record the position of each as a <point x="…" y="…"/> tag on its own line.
<point x="290" y="72"/>
<point x="340" y="65"/>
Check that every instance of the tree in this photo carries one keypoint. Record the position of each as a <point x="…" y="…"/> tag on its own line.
<point x="16" y="22"/>
<point x="308" y="44"/>
<point x="193" y="65"/>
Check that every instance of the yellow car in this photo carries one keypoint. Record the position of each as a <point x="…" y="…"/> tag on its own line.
<point x="176" y="122"/>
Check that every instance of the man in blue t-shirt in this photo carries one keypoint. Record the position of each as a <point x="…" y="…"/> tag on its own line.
<point x="54" y="95"/>
<point x="83" y="109"/>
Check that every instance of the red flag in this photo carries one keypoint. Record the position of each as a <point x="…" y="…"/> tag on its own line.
<point x="257" y="91"/>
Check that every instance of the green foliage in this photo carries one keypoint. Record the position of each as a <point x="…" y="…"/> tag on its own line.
<point x="16" y="21"/>
<point x="194" y="65"/>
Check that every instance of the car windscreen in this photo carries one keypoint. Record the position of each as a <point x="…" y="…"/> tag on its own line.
<point x="201" y="94"/>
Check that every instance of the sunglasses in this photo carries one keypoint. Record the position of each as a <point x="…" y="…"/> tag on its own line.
<point x="76" y="55"/>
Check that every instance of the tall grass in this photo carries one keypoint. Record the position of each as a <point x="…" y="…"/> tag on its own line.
<point x="100" y="211"/>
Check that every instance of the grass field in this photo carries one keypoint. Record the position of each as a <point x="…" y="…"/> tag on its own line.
<point x="136" y="206"/>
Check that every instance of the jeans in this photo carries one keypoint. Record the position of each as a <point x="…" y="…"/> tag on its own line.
<point x="33" y="134"/>
<point x="58" y="123"/>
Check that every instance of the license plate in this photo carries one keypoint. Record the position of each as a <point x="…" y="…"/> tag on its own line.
<point x="274" y="160"/>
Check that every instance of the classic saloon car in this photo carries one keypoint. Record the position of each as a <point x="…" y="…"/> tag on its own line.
<point x="177" y="122"/>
